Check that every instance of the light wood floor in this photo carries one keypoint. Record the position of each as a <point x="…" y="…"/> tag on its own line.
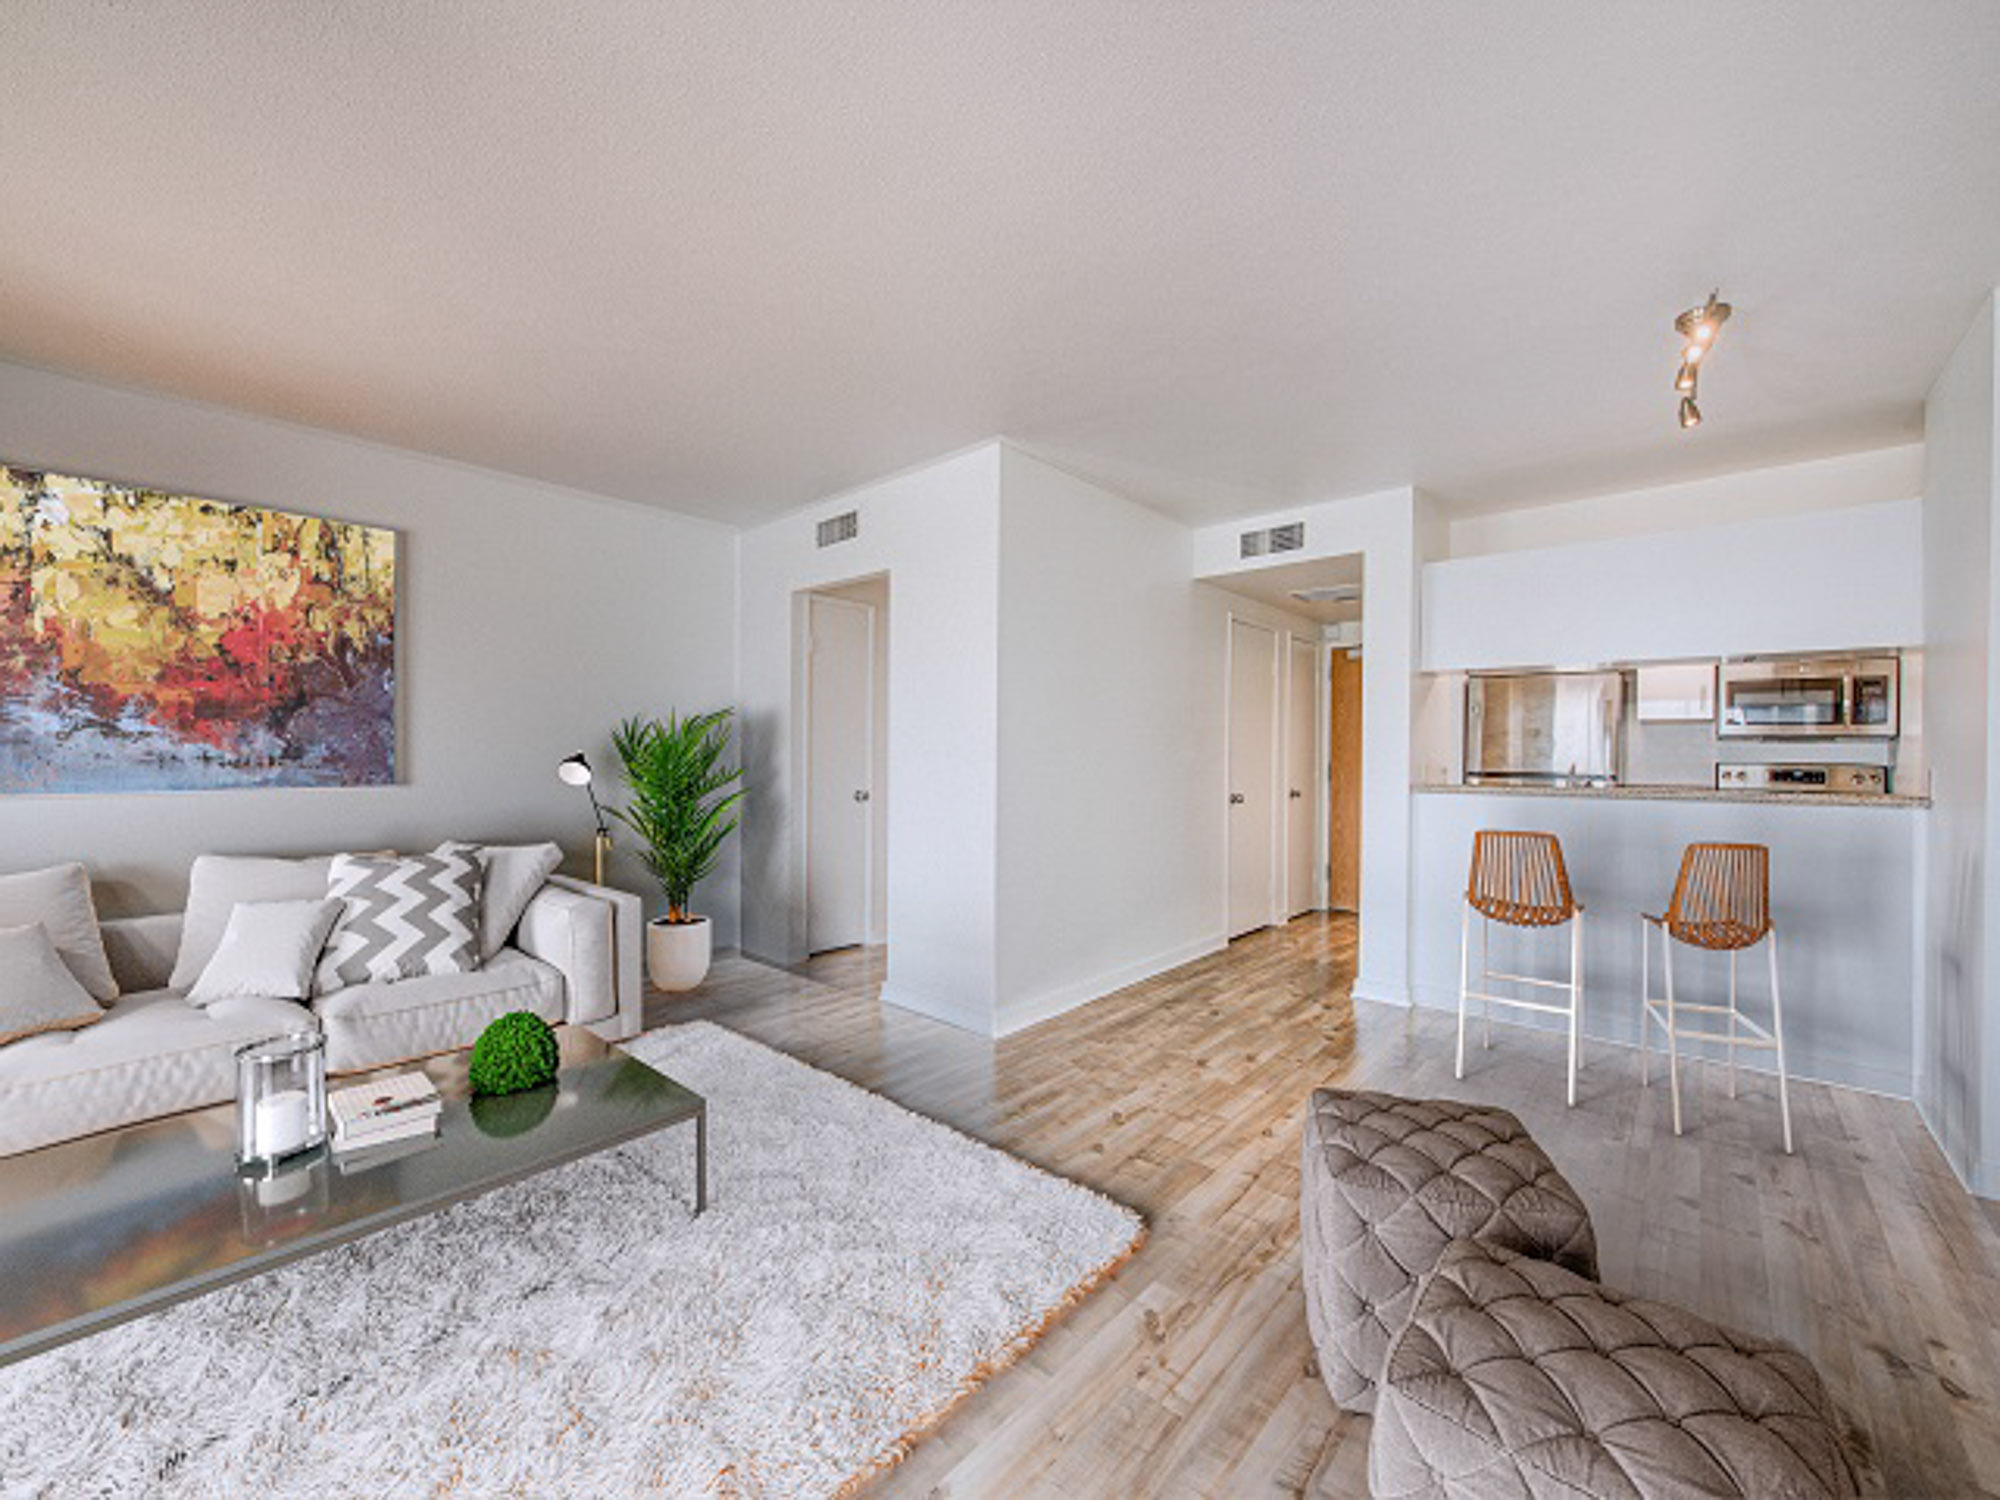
<point x="1191" y="1373"/>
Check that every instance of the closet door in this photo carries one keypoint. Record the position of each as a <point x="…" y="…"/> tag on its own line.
<point x="1253" y="775"/>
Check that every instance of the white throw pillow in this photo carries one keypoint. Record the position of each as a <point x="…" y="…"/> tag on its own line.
<point x="58" y="900"/>
<point x="269" y="948"/>
<point x="219" y="883"/>
<point x="514" y="872"/>
<point x="37" y="990"/>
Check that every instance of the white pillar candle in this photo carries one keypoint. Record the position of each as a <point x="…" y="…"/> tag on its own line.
<point x="281" y="1123"/>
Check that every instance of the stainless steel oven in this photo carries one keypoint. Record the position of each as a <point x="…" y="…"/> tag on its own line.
<point x="1809" y="697"/>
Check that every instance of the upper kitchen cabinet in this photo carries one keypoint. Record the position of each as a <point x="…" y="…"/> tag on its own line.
<point x="1679" y="693"/>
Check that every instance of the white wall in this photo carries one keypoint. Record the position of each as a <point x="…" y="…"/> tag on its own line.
<point x="531" y="619"/>
<point x="1958" y="1042"/>
<point x="1392" y="531"/>
<point x="1746" y="494"/>
<point x="1831" y="580"/>
<point x="935" y="532"/>
<point x="1112" y="740"/>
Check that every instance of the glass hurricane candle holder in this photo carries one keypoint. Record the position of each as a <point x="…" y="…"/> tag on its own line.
<point x="280" y="1099"/>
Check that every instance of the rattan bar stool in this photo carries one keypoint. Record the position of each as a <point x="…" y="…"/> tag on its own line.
<point x="1519" y="879"/>
<point x="1721" y="902"/>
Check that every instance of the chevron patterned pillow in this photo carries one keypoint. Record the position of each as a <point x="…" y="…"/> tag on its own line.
<point x="400" y="918"/>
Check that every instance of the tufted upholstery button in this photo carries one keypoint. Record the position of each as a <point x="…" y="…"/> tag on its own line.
<point x="1514" y="1377"/>
<point x="1386" y="1184"/>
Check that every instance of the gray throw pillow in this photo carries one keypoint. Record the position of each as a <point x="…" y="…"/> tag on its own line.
<point x="401" y="918"/>
<point x="37" y="991"/>
<point x="58" y="899"/>
<point x="514" y="872"/>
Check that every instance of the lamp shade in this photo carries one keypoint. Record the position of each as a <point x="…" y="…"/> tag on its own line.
<point x="574" y="770"/>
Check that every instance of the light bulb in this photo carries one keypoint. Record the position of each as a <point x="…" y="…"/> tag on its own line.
<point x="1684" y="379"/>
<point x="1693" y="353"/>
<point x="1690" y="413"/>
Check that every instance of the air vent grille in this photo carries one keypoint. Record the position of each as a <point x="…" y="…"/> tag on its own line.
<point x="844" y="527"/>
<point x="1289" y="537"/>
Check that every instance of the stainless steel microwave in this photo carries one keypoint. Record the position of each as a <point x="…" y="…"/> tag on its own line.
<point x="1809" y="697"/>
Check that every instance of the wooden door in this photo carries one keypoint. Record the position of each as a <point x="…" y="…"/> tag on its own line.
<point x="1344" y="786"/>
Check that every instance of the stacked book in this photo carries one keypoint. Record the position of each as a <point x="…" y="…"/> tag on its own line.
<point x="383" y="1110"/>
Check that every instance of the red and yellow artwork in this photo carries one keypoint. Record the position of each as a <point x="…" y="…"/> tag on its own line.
<point x="153" y="642"/>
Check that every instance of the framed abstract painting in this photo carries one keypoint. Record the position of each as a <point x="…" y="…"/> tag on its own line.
<point x="161" y="642"/>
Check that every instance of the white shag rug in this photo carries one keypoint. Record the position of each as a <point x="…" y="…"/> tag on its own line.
<point x="859" y="1269"/>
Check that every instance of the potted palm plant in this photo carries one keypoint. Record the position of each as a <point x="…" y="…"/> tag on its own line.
<point x="683" y="807"/>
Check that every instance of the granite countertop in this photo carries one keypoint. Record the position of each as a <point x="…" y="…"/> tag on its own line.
<point x="1678" y="794"/>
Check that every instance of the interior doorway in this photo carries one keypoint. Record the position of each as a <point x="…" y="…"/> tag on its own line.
<point x="1343" y="799"/>
<point x="1253" y="774"/>
<point x="1301" y="775"/>
<point x="844" y="757"/>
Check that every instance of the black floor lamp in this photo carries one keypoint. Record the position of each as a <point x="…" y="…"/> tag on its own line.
<point x="574" y="770"/>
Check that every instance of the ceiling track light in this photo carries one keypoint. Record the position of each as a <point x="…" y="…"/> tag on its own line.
<point x="1699" y="327"/>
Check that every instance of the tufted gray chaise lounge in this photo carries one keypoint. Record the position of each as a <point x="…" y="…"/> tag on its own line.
<point x="1515" y="1378"/>
<point x="1386" y="1184"/>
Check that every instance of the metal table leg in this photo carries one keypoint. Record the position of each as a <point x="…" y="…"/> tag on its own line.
<point x="701" y="1159"/>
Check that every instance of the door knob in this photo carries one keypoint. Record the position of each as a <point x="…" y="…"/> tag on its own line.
<point x="1235" y="798"/>
<point x="1295" y="794"/>
<point x="860" y="796"/>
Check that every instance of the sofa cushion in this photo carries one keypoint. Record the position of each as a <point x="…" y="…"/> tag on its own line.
<point x="37" y="991"/>
<point x="514" y="872"/>
<point x="401" y="918"/>
<point x="1386" y="1183"/>
<point x="59" y="899"/>
<point x="217" y="882"/>
<point x="1514" y="1377"/>
<point x="151" y="1054"/>
<point x="372" y="1025"/>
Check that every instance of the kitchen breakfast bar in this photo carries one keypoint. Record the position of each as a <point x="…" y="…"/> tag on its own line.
<point x="1845" y="897"/>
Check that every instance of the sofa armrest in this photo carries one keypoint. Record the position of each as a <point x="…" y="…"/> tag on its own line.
<point x="601" y="932"/>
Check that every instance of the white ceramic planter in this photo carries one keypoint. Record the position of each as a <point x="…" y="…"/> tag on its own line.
<point x="677" y="953"/>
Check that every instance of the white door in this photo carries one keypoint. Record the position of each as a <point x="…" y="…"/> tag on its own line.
<point x="1253" y="778"/>
<point x="1301" y="741"/>
<point x="840" y="720"/>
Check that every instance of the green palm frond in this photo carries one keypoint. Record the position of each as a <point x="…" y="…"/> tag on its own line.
<point x="684" y="797"/>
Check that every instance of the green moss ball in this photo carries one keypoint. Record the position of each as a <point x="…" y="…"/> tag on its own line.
<point x="518" y="1051"/>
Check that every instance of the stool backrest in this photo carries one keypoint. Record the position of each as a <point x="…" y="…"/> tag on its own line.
<point x="1520" y="879"/>
<point x="1722" y="899"/>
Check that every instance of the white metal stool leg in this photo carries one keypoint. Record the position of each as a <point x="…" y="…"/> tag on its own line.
<point x="1645" y="1002"/>
<point x="1673" y="1045"/>
<point x="1733" y="1015"/>
<point x="1485" y="981"/>
<point x="1575" y="1002"/>
<point x="1464" y="984"/>
<point x="1778" y="1037"/>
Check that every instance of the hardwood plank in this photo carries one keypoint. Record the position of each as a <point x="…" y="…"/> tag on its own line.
<point x="1191" y="1373"/>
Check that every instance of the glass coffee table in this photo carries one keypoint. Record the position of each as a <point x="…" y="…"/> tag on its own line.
<point x="116" y="1225"/>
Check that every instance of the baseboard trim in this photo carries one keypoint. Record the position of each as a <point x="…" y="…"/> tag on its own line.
<point x="1381" y="993"/>
<point x="1046" y="1006"/>
<point x="930" y="1008"/>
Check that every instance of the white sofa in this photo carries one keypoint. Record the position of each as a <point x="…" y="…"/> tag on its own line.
<point x="574" y="957"/>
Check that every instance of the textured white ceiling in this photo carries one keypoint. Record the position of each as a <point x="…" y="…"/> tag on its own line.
<point x="728" y="257"/>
